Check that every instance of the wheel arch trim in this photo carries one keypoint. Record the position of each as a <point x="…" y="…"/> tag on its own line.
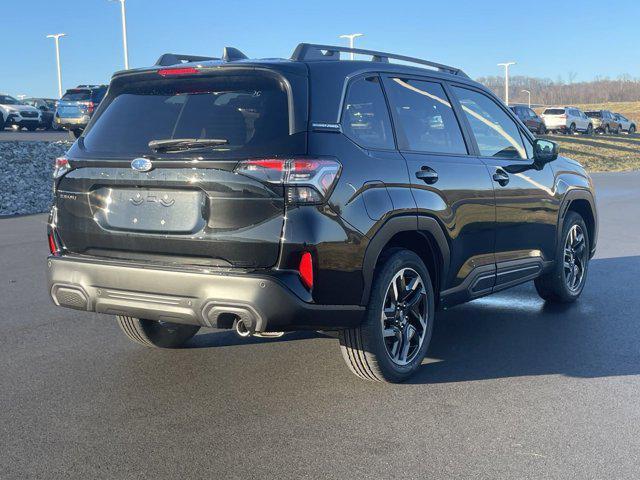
<point x="569" y="198"/>
<point x="420" y="224"/>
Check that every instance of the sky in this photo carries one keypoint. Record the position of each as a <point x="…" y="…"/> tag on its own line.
<point x="547" y="38"/>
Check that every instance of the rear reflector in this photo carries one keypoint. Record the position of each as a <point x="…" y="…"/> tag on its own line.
<point x="306" y="270"/>
<point x="52" y="244"/>
<point x="167" y="72"/>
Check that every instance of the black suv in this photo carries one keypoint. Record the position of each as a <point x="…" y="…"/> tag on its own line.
<point x="310" y="193"/>
<point x="76" y="107"/>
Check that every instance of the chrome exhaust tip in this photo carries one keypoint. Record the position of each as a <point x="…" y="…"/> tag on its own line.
<point x="241" y="329"/>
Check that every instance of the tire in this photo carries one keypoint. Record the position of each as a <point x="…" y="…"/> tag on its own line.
<point x="542" y="129"/>
<point x="376" y="349"/>
<point x="558" y="285"/>
<point x="632" y="129"/>
<point x="75" y="134"/>
<point x="2" y="123"/>
<point x="606" y="130"/>
<point x="156" y="334"/>
<point x="572" y="129"/>
<point x="589" y="130"/>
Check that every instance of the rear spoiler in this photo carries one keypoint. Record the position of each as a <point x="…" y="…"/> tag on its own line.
<point x="229" y="55"/>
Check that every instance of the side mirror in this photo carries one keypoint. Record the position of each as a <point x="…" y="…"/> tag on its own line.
<point x="544" y="151"/>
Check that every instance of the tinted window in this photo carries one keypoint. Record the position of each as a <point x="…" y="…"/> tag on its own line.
<point x="77" y="96"/>
<point x="7" y="100"/>
<point x="553" y="111"/>
<point x="249" y="112"/>
<point x="495" y="132"/>
<point x="531" y="113"/>
<point x="425" y="121"/>
<point x="594" y="114"/>
<point x="365" y="118"/>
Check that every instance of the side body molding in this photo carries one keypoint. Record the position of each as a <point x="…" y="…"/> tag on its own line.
<point x="428" y="227"/>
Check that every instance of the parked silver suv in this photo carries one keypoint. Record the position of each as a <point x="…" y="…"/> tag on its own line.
<point x="567" y="120"/>
<point x="17" y="114"/>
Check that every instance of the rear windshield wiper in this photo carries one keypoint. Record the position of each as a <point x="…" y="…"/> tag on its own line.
<point x="180" y="144"/>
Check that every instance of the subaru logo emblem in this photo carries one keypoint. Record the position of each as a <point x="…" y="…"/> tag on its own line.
<point x="141" y="164"/>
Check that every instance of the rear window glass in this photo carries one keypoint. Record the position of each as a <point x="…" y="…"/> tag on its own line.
<point x="594" y="114"/>
<point x="76" y="95"/>
<point x="250" y="113"/>
<point x="554" y="111"/>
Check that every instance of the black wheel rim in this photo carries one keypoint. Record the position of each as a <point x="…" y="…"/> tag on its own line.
<point x="575" y="258"/>
<point x="404" y="317"/>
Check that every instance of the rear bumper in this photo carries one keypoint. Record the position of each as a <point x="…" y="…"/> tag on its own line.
<point x="190" y="297"/>
<point x="71" y="123"/>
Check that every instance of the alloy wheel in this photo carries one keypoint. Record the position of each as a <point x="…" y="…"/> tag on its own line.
<point x="575" y="258"/>
<point x="404" y="316"/>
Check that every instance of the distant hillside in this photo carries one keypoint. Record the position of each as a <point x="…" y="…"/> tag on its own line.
<point x="548" y="92"/>
<point x="628" y="109"/>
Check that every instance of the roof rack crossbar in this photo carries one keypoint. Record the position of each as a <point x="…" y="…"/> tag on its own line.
<point x="174" y="59"/>
<point x="311" y="51"/>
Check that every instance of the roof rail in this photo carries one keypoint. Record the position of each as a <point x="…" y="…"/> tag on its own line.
<point x="173" y="59"/>
<point x="311" y="51"/>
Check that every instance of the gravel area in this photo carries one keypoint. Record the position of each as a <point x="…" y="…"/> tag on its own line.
<point x="25" y="180"/>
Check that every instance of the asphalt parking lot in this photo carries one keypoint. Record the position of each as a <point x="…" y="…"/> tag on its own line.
<point x="513" y="388"/>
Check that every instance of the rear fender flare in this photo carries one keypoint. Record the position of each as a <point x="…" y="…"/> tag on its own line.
<point x="421" y="224"/>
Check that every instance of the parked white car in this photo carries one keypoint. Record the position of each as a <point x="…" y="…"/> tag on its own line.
<point x="567" y="120"/>
<point x="626" y="125"/>
<point x="15" y="113"/>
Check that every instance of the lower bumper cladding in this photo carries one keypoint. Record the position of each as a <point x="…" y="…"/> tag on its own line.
<point x="263" y="302"/>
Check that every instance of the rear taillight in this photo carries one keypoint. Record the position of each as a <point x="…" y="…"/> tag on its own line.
<point x="61" y="167"/>
<point x="563" y="116"/>
<point x="305" y="269"/>
<point x="168" y="72"/>
<point x="306" y="180"/>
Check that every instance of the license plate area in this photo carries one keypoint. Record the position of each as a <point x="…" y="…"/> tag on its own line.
<point x="149" y="210"/>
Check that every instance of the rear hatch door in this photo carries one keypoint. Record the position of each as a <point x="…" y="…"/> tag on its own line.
<point x="175" y="204"/>
<point x="74" y="103"/>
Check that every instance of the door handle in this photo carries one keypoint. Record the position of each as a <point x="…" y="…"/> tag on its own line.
<point x="427" y="175"/>
<point x="501" y="177"/>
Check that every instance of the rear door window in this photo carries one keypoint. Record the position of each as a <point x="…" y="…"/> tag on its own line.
<point x="365" y="118"/>
<point x="249" y="114"/>
<point x="496" y="134"/>
<point x="424" y="118"/>
<point x="554" y="111"/>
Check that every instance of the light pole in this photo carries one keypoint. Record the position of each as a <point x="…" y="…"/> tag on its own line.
<point x="56" y="38"/>
<point x="506" y="66"/>
<point x="351" y="37"/>
<point x="528" y="93"/>
<point x="124" y="33"/>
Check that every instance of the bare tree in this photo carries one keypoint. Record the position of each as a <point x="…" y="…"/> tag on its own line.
<point x="548" y="92"/>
